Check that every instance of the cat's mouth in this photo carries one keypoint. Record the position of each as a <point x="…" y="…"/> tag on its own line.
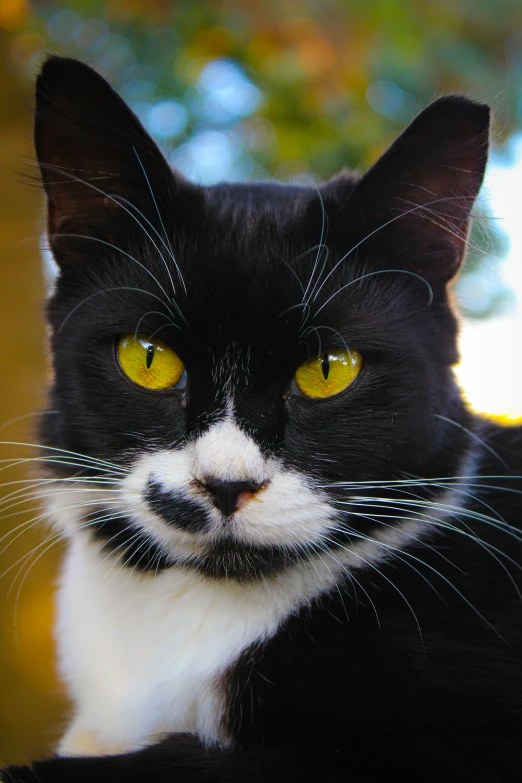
<point x="228" y="558"/>
<point x="184" y="534"/>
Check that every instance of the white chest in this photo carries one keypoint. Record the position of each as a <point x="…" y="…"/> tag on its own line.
<point x="144" y="655"/>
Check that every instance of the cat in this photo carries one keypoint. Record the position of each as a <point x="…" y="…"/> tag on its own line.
<point x="293" y="551"/>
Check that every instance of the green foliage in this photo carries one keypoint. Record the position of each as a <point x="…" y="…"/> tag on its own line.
<point x="338" y="79"/>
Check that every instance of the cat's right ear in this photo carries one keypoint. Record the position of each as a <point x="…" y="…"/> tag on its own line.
<point x="99" y="166"/>
<point x="413" y="206"/>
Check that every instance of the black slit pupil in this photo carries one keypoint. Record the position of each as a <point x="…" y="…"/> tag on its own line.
<point x="325" y="366"/>
<point x="149" y="356"/>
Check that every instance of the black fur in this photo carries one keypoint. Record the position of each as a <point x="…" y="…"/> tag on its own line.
<point x="114" y="533"/>
<point x="175" y="509"/>
<point x="412" y="670"/>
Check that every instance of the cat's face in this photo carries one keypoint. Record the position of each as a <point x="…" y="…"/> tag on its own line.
<point x="232" y="468"/>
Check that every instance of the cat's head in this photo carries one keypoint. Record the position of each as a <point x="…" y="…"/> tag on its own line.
<point x="225" y="356"/>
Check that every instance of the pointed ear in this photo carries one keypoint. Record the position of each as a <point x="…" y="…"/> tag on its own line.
<point x="418" y="197"/>
<point x="94" y="157"/>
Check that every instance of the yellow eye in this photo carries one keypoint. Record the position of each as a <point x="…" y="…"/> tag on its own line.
<point x="149" y="363"/>
<point x="329" y="373"/>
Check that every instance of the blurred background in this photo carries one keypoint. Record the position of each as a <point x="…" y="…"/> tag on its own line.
<point x="239" y="89"/>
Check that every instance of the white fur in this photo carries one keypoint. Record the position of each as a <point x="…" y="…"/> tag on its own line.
<point x="50" y="268"/>
<point x="288" y="512"/>
<point x="226" y="453"/>
<point x="144" y="654"/>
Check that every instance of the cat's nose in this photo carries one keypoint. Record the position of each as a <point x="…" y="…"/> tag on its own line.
<point x="229" y="496"/>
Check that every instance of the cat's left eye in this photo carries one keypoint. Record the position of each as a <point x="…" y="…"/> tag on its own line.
<point x="150" y="363"/>
<point x="328" y="374"/>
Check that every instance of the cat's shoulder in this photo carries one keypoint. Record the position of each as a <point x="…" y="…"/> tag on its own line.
<point x="500" y="472"/>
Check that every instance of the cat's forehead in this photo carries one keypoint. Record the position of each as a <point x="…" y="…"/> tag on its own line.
<point x="256" y="246"/>
<point x="242" y="267"/>
<point x="247" y="197"/>
<point x="247" y="254"/>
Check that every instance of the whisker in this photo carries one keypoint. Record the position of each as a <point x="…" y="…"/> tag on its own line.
<point x="16" y="419"/>
<point x="153" y="312"/>
<point x="351" y="576"/>
<point x="118" y="201"/>
<point x="387" y="579"/>
<point x="49" y="489"/>
<point x="107" y="291"/>
<point x="444" y="578"/>
<point x="324" y="223"/>
<point x="163" y="227"/>
<point x="50" y="541"/>
<point x="66" y="451"/>
<point x="28" y="525"/>
<point x="389" y="483"/>
<point x="127" y="255"/>
<point x="416" y="208"/>
<point x="445" y="507"/>
<point x="291" y="269"/>
<point x="377" y="519"/>
<point x="387" y="547"/>
<point x="329" y="329"/>
<point x="120" y="560"/>
<point x="490" y="548"/>
<point x="472" y="435"/>
<point x="380" y="272"/>
<point x="74" y="463"/>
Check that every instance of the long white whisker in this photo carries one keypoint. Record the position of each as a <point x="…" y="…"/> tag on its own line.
<point x="128" y="255"/>
<point x="107" y="291"/>
<point x="351" y="532"/>
<point x="416" y="208"/>
<point x="23" y="416"/>
<point x="163" y="227"/>
<point x="387" y="579"/>
<point x="115" y="200"/>
<point x="66" y="451"/>
<point x="444" y="578"/>
<point x="380" y="272"/>
<point x="26" y="526"/>
<point x="352" y="577"/>
<point x="472" y="435"/>
<point x="19" y="499"/>
<point x="400" y="505"/>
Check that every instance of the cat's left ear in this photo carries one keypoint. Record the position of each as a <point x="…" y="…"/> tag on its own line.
<point x="99" y="166"/>
<point x="414" y="204"/>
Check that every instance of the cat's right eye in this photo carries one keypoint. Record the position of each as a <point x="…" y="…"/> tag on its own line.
<point x="328" y="374"/>
<point x="150" y="363"/>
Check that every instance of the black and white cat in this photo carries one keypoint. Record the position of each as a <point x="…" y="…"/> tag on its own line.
<point x="293" y="552"/>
